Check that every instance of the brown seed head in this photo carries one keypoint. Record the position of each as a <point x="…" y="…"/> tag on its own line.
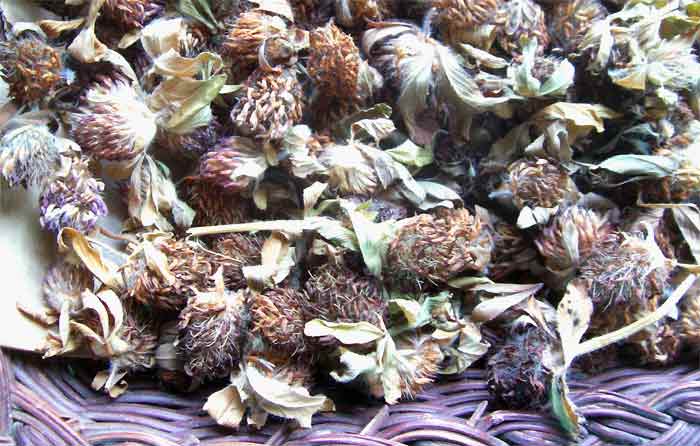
<point x="539" y="182"/>
<point x="438" y="247"/>
<point x="212" y="327"/>
<point x="690" y="321"/>
<point x="625" y="269"/>
<point x="420" y="366"/>
<point x="193" y="144"/>
<point x="141" y="337"/>
<point x="337" y="293"/>
<point x="30" y="67"/>
<point x="192" y="267"/>
<point x="569" y="21"/>
<point x="273" y="102"/>
<point x="213" y="205"/>
<point x="517" y="374"/>
<point x="518" y="21"/>
<point x="278" y="315"/>
<point x="246" y="34"/>
<point x="572" y="232"/>
<point x="456" y="17"/>
<point x="511" y="251"/>
<point x="334" y="62"/>
<point x="132" y="14"/>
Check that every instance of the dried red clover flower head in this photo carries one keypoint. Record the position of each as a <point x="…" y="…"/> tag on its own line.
<point x="625" y="268"/>
<point x="246" y="34"/>
<point x="272" y="103"/>
<point x="113" y="123"/>
<point x="28" y="155"/>
<point x="517" y="374"/>
<point x="518" y="21"/>
<point x="72" y="199"/>
<point x="334" y="62"/>
<point x="512" y="251"/>
<point x="539" y="183"/>
<point x="212" y="204"/>
<point x="339" y="294"/>
<point x="568" y="239"/>
<point x="440" y="246"/>
<point x="63" y="285"/>
<point x="457" y="18"/>
<point x="191" y="145"/>
<point x="141" y="337"/>
<point x="212" y="328"/>
<point x="419" y="365"/>
<point x="31" y="67"/>
<point x="660" y="345"/>
<point x="352" y="13"/>
<point x="190" y="267"/>
<point x="278" y="316"/>
<point x="132" y="14"/>
<point x="224" y="165"/>
<point x="570" y="20"/>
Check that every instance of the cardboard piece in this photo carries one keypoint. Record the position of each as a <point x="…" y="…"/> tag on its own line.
<point x="26" y="252"/>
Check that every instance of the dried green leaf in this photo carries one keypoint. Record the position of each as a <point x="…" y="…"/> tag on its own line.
<point x="77" y="244"/>
<point x="563" y="408"/>
<point x="345" y="332"/>
<point x="507" y="296"/>
<point x="573" y="316"/>
<point x="641" y="165"/>
<point x="172" y="63"/>
<point x="410" y="154"/>
<point x="199" y="10"/>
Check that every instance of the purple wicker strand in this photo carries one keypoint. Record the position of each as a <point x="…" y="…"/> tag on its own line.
<point x="6" y="379"/>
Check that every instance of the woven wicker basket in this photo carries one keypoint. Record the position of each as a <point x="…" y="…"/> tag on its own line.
<point x="44" y="404"/>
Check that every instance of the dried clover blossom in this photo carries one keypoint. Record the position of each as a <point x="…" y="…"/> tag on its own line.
<point x="459" y="18"/>
<point x="518" y="374"/>
<point x="625" y="268"/>
<point x="132" y="14"/>
<point x="113" y="123"/>
<point x="279" y="315"/>
<point x="72" y="199"/>
<point x="31" y="67"/>
<point x="539" y="183"/>
<point x="28" y="155"/>
<point x="570" y="20"/>
<point x="247" y="33"/>
<point x="519" y="21"/>
<point x="273" y="102"/>
<point x="212" y="326"/>
<point x="334" y="62"/>
<point x="570" y="236"/>
<point x="439" y="247"/>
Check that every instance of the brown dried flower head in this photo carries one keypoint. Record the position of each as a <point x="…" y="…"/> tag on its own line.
<point x="141" y="336"/>
<point x="569" y="21"/>
<point x="339" y="294"/>
<point x="225" y="166"/>
<point x="189" y="267"/>
<point x="63" y="284"/>
<point x="352" y="13"/>
<point x="519" y="21"/>
<point x="660" y="345"/>
<point x="212" y="204"/>
<point x="512" y="251"/>
<point x="517" y="373"/>
<point x="539" y="183"/>
<point x="568" y="239"/>
<point x="273" y="102"/>
<point x="29" y="155"/>
<point x="113" y="123"/>
<point x="625" y="268"/>
<point x="457" y="18"/>
<point x="212" y="327"/>
<point x="132" y="14"/>
<point x="420" y="365"/>
<point x="193" y="144"/>
<point x="439" y="247"/>
<point x="31" y="67"/>
<point x="246" y="34"/>
<point x="334" y="62"/>
<point x="278" y="316"/>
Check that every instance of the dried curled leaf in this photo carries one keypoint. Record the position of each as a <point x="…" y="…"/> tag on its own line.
<point x="346" y="333"/>
<point x="152" y="196"/>
<point x="251" y="390"/>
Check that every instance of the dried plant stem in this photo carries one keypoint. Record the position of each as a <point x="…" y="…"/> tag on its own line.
<point x="627" y="331"/>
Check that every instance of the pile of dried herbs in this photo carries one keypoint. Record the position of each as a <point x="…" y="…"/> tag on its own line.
<point x="371" y="192"/>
